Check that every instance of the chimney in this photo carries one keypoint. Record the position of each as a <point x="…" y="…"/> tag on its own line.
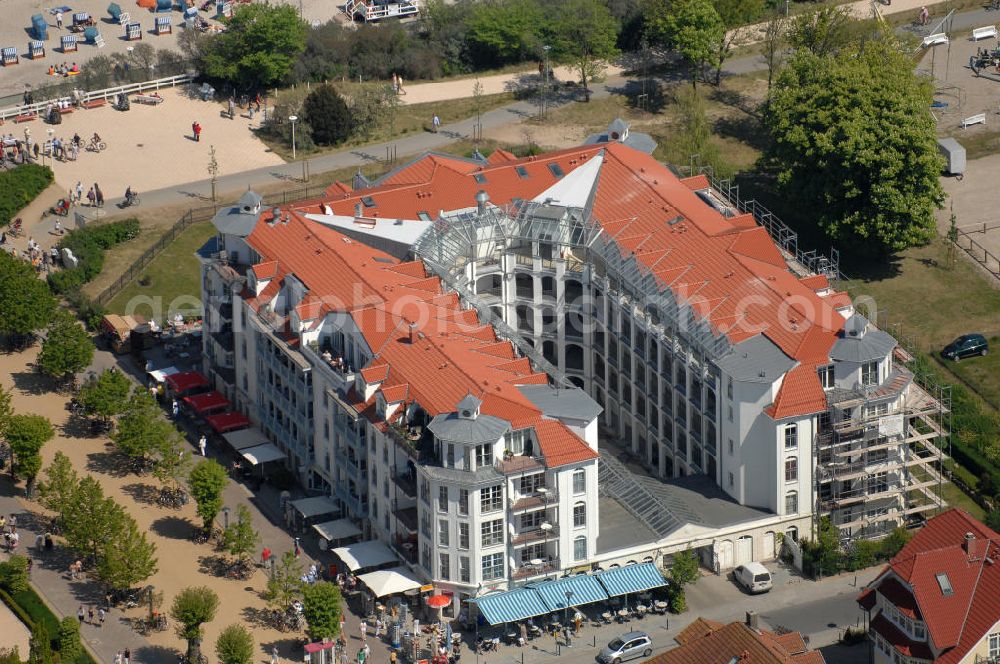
<point x="752" y="621"/>
<point x="413" y="333"/>
<point x="482" y="198"/>
<point x="975" y="549"/>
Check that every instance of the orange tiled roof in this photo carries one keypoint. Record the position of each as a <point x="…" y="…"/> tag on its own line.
<point x="956" y="622"/>
<point x="799" y="392"/>
<point x="708" y="642"/>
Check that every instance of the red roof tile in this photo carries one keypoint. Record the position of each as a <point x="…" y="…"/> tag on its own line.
<point x="708" y="642"/>
<point x="899" y="640"/>
<point x="800" y="394"/>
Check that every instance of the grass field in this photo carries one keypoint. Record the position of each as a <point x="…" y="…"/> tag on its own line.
<point x="172" y="279"/>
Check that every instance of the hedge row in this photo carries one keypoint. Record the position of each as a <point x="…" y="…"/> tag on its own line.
<point x="19" y="186"/>
<point x="88" y="245"/>
<point x="29" y="608"/>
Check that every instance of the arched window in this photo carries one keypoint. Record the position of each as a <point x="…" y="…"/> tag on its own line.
<point x="792" y="502"/>
<point x="791" y="469"/>
<point x="574" y="357"/>
<point x="580" y="548"/>
<point x="792" y="533"/>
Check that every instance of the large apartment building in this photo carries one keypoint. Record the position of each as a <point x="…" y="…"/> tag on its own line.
<point x="514" y="367"/>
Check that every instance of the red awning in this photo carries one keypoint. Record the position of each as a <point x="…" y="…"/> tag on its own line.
<point x="186" y="381"/>
<point x="226" y="422"/>
<point x="207" y="402"/>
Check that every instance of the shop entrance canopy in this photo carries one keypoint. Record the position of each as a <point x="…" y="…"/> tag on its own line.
<point x="365" y="554"/>
<point x="262" y="454"/>
<point x="390" y="581"/>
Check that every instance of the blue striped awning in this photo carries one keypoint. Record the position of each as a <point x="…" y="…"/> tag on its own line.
<point x="631" y="579"/>
<point x="582" y="589"/>
<point x="511" y="606"/>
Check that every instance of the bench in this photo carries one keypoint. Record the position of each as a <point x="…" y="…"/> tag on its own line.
<point x="148" y="99"/>
<point x="973" y="120"/>
<point x="94" y="103"/>
<point x="25" y="117"/>
<point x="935" y="39"/>
<point x="986" y="32"/>
<point x="65" y="110"/>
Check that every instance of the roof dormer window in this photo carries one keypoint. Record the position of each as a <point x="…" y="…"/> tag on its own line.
<point x="468" y="407"/>
<point x="944" y="583"/>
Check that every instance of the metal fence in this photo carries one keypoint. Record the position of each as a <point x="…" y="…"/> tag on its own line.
<point x="194" y="216"/>
<point x="978" y="252"/>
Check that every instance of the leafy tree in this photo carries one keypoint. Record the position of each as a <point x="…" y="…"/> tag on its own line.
<point x="684" y="569"/>
<point x="773" y="47"/>
<point x="192" y="608"/>
<point x="691" y="27"/>
<point x="853" y="144"/>
<point x="321" y="607"/>
<point x="676" y="598"/>
<point x="105" y="395"/>
<point x="206" y="483"/>
<point x="695" y="133"/>
<point x="822" y="555"/>
<point x="284" y="585"/>
<point x="585" y="36"/>
<point x="235" y="645"/>
<point x="26" y="304"/>
<point x="240" y="539"/>
<point x="14" y="574"/>
<point x="58" y="490"/>
<point x="993" y="520"/>
<point x="737" y="17"/>
<point x="10" y="656"/>
<point x="41" y="645"/>
<point x="823" y="32"/>
<point x="258" y="48"/>
<point x="129" y="559"/>
<point x="327" y="115"/>
<point x="70" y="646"/>
<point x="6" y="410"/>
<point x="504" y="32"/>
<point x="26" y="434"/>
<point x="894" y="542"/>
<point x="91" y="520"/>
<point x="172" y="462"/>
<point x="141" y="429"/>
<point x="862" y="554"/>
<point x="67" y="348"/>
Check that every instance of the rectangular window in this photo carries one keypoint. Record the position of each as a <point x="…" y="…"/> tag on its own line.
<point x="463" y="535"/>
<point x="729" y="413"/>
<point x="532" y="519"/>
<point x="484" y="455"/>
<point x="442" y="499"/>
<point x="869" y="373"/>
<point x="463" y="501"/>
<point x="491" y="499"/>
<point x="580" y="548"/>
<point x="729" y="388"/>
<point x="579" y="515"/>
<point x="791" y="502"/>
<point x="791" y="469"/>
<point x="492" y="532"/>
<point x="463" y="569"/>
<point x="826" y="376"/>
<point x="731" y="480"/>
<point x="731" y="448"/>
<point x="579" y="481"/>
<point x="995" y="645"/>
<point x="529" y="484"/>
<point x="444" y="566"/>
<point x="443" y="535"/>
<point x="492" y="566"/>
<point x="791" y="437"/>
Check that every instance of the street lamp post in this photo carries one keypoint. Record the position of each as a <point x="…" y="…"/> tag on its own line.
<point x="293" y="119"/>
<point x="225" y="518"/>
<point x="569" y="598"/>
<point x="50" y="132"/>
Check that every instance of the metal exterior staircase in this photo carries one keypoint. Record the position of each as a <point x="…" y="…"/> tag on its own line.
<point x="620" y="483"/>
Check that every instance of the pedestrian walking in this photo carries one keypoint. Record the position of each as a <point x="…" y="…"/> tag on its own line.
<point x="90" y="615"/>
<point x="567" y="635"/>
<point x="435" y="123"/>
<point x="79" y="188"/>
<point x="59" y="20"/>
<point x="91" y="197"/>
<point x="80" y="615"/>
<point x="175" y="408"/>
<point x="378" y="627"/>
<point x="99" y="194"/>
<point x="127" y="656"/>
<point x="265" y="555"/>
<point x="274" y="655"/>
<point x="364" y="631"/>
<point x="232" y="108"/>
<point x="101" y="613"/>
<point x="297" y="551"/>
<point x="924" y="15"/>
<point x="118" y="657"/>
<point x="202" y="443"/>
<point x="196" y="131"/>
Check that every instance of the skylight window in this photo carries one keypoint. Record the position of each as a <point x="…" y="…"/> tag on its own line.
<point x="945" y="583"/>
<point x="368" y="201"/>
<point x="522" y="172"/>
<point x="480" y="178"/>
<point x="556" y="170"/>
<point x="423" y="216"/>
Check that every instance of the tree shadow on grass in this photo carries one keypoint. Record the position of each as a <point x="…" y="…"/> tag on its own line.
<point x="173" y="527"/>
<point x="142" y="492"/>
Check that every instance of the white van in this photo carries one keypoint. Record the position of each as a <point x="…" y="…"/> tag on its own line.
<point x="753" y="577"/>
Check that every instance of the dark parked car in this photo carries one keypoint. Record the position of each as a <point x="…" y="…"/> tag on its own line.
<point x="966" y="345"/>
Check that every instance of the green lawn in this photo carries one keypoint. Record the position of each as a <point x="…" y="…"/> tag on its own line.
<point x="171" y="282"/>
<point x="36" y="609"/>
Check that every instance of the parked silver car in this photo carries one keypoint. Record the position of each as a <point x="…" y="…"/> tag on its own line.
<point x="626" y="647"/>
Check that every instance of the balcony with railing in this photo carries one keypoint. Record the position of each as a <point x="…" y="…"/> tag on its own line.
<point x="533" y="570"/>
<point x="521" y="502"/>
<point x="332" y="368"/>
<point x="535" y="535"/>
